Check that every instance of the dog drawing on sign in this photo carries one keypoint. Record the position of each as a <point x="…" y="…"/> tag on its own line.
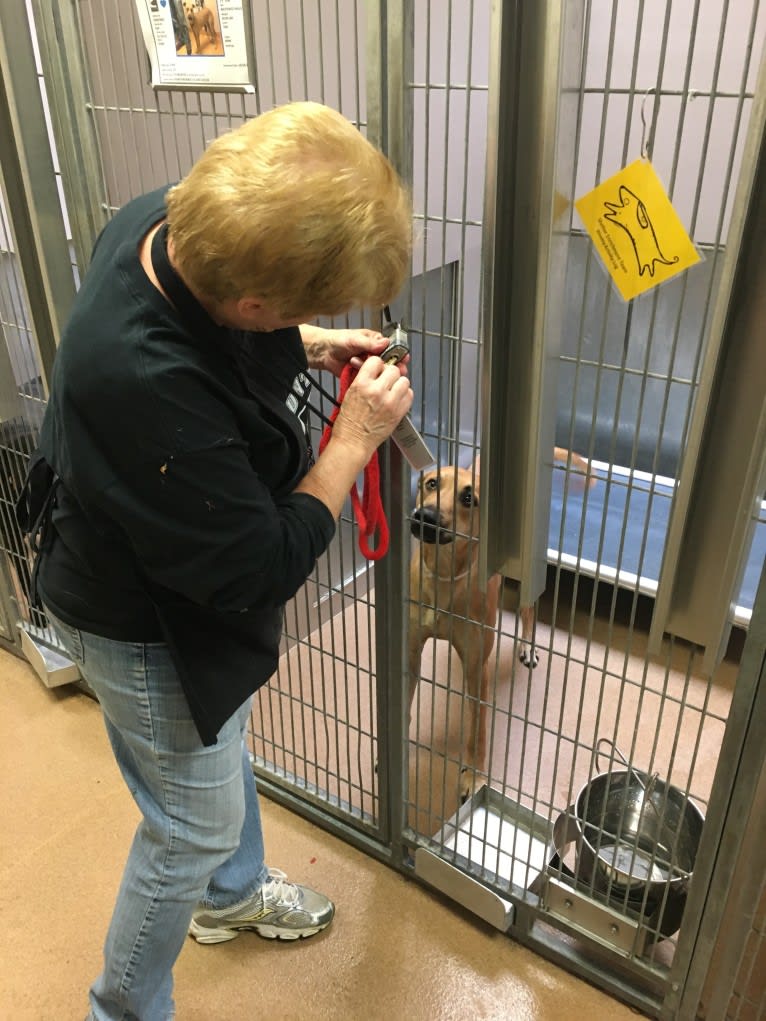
<point x="633" y="217"/>
<point x="447" y="602"/>
<point x="200" y="19"/>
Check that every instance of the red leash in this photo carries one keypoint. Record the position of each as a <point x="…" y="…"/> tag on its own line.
<point x="368" y="511"/>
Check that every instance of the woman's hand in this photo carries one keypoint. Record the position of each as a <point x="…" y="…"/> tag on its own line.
<point x="334" y="349"/>
<point x="375" y="403"/>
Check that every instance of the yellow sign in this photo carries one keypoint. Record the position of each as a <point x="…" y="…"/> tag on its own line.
<point x="636" y="230"/>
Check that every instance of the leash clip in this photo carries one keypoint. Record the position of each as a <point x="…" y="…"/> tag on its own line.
<point x="398" y="341"/>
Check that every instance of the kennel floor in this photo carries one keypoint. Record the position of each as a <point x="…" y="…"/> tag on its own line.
<point x="394" y="950"/>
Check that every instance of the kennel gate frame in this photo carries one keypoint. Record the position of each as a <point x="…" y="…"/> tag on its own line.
<point x="403" y="562"/>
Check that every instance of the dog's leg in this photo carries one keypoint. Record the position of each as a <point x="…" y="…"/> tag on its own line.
<point x="528" y="652"/>
<point x="474" y="646"/>
<point x="416" y="641"/>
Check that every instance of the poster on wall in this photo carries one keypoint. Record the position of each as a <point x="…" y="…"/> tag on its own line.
<point x="198" y="44"/>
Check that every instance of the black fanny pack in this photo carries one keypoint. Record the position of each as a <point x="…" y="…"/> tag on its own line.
<point x="221" y="657"/>
<point x="34" y="509"/>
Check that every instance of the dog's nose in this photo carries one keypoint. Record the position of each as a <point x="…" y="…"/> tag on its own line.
<point x="427" y="527"/>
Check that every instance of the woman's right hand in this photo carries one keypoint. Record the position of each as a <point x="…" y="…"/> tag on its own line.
<point x="375" y="403"/>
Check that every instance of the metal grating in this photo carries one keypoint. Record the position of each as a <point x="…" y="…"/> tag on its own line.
<point x="148" y="138"/>
<point x="628" y="376"/>
<point x="21" y="410"/>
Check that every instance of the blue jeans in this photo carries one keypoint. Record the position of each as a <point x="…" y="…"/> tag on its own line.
<point x="200" y="838"/>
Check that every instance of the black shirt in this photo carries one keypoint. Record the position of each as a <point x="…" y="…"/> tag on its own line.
<point x="178" y="454"/>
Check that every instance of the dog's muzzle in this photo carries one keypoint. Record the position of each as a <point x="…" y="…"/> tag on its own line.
<point x="427" y="527"/>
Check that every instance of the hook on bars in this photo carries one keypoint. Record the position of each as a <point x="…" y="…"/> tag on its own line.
<point x="647" y="134"/>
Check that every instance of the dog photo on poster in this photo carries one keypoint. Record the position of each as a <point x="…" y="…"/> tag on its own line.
<point x="199" y="44"/>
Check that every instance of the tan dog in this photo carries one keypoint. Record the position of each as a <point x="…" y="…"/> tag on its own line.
<point x="446" y="601"/>
<point x="200" y="19"/>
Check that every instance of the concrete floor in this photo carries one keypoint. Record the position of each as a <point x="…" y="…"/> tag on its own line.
<point x="394" y="951"/>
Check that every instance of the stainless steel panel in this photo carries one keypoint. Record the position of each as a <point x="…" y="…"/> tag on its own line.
<point x="28" y="178"/>
<point x="720" y="485"/>
<point x="461" y="888"/>
<point x="521" y="333"/>
<point x="53" y="668"/>
<point x="612" y="928"/>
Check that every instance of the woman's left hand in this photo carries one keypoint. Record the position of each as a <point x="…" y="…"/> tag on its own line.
<point x="332" y="350"/>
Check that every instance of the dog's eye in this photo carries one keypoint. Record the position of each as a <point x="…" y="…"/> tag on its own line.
<point x="467" y="497"/>
<point x="431" y="484"/>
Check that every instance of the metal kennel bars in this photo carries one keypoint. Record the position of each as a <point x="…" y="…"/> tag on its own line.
<point x="500" y="115"/>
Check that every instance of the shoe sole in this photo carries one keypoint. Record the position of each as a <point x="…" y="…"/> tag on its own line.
<point x="208" y="936"/>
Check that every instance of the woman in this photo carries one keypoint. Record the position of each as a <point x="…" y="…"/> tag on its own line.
<point x="183" y="509"/>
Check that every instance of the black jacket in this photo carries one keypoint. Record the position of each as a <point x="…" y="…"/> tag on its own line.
<point x="175" y="517"/>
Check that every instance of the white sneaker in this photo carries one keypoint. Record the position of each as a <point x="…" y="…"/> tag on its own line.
<point x="279" y="910"/>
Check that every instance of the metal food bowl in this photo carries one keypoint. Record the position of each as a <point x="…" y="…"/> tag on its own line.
<point x="636" y="833"/>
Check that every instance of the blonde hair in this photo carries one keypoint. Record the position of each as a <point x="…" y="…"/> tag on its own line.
<point x="297" y="208"/>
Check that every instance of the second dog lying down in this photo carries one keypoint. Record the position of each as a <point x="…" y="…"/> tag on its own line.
<point x="446" y="601"/>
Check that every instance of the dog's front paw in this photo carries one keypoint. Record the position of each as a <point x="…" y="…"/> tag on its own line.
<point x="470" y="781"/>
<point x="528" y="656"/>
